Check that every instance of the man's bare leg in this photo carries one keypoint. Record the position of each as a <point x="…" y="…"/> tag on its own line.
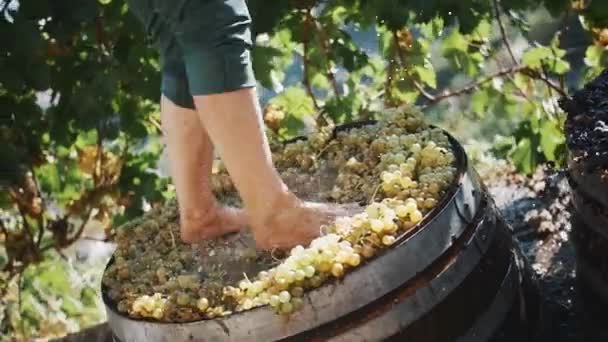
<point x="278" y="218"/>
<point x="191" y="156"/>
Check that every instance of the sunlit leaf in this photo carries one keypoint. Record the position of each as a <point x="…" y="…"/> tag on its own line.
<point x="596" y="56"/>
<point x="479" y="102"/>
<point x="427" y="75"/>
<point x="524" y="156"/>
<point x="48" y="178"/>
<point x="551" y="137"/>
<point x="535" y="56"/>
<point x="455" y="41"/>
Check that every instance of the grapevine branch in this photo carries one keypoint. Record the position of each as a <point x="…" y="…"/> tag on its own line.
<point x="402" y="58"/>
<point x="566" y="18"/>
<point x="434" y="99"/>
<point x="527" y="71"/>
<point x="423" y="92"/>
<point x="544" y="73"/>
<point x="81" y="228"/>
<point x="40" y="217"/>
<point x="325" y="48"/>
<point x="3" y="228"/>
<point x="508" y="72"/>
<point x="20" y="301"/>
<point x="519" y="90"/>
<point x="503" y="33"/>
<point x="26" y="225"/>
<point x="513" y="82"/>
<point x="98" y="160"/>
<point x="539" y="76"/>
<point x="96" y="179"/>
<point x="390" y="73"/>
<point x="305" y="66"/>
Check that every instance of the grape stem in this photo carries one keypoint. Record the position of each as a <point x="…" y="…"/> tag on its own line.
<point x="172" y="237"/>
<point x="374" y="194"/>
<point x="274" y="257"/>
<point x="325" y="148"/>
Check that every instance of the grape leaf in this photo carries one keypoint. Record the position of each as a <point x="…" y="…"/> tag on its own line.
<point x="427" y="75"/>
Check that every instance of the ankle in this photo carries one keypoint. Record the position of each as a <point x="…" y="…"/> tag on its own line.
<point x="199" y="214"/>
<point x="279" y="204"/>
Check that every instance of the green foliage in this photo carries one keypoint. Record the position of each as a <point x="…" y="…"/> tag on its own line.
<point x="79" y="88"/>
<point x="56" y="297"/>
<point x="549" y="58"/>
<point x="297" y="105"/>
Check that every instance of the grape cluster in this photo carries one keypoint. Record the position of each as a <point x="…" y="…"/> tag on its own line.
<point x="320" y="138"/>
<point x="350" y="241"/>
<point x="399" y="167"/>
<point x="273" y="116"/>
<point x="282" y="287"/>
<point x="149" y="306"/>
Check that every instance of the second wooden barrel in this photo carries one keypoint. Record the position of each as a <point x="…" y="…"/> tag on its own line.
<point x="590" y="238"/>
<point x="587" y="142"/>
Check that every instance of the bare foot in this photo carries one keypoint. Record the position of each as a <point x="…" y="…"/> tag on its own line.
<point x="297" y="223"/>
<point x="208" y="223"/>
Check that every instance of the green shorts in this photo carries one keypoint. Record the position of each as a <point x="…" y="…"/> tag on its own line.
<point x="204" y="45"/>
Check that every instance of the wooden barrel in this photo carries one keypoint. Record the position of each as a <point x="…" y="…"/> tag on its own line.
<point x="590" y="238"/>
<point x="457" y="276"/>
<point x="587" y="147"/>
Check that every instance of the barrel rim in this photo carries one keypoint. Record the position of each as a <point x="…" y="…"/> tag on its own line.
<point x="462" y="168"/>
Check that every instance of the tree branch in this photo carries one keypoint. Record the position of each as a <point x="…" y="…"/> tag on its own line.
<point x="503" y="33"/>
